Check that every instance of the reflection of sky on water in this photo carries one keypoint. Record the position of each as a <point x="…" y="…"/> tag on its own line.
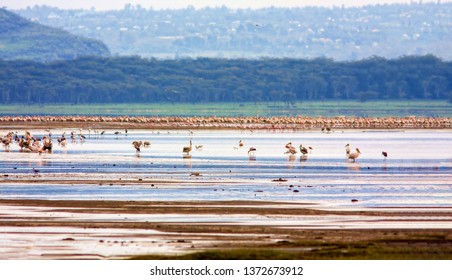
<point x="417" y="172"/>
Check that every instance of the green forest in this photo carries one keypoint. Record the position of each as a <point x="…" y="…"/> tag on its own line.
<point x="138" y="80"/>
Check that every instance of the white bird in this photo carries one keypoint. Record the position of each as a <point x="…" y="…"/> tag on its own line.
<point x="355" y="155"/>
<point x="347" y="150"/>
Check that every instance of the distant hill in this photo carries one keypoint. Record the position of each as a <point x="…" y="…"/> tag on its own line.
<point x="343" y="34"/>
<point x="23" y="39"/>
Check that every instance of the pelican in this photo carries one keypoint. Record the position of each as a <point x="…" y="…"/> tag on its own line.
<point x="46" y="145"/>
<point x="63" y="142"/>
<point x="291" y="151"/>
<point x="347" y="150"/>
<point x="385" y="154"/>
<point x="355" y="155"/>
<point x="251" y="153"/>
<point x="137" y="145"/>
<point x="187" y="149"/>
<point x="7" y="140"/>
<point x="303" y="150"/>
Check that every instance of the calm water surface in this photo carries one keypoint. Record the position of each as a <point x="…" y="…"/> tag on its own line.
<point x="417" y="172"/>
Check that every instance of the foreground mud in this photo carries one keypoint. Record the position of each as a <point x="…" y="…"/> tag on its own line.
<point x="43" y="229"/>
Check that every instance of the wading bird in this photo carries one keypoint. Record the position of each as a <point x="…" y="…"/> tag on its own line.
<point x="347" y="150"/>
<point x="187" y="149"/>
<point x="385" y="154"/>
<point x="355" y="155"/>
<point x="137" y="145"/>
<point x="304" y="151"/>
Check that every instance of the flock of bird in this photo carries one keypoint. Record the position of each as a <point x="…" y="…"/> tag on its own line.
<point x="27" y="142"/>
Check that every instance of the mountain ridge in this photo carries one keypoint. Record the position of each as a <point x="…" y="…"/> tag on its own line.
<point x="23" y="39"/>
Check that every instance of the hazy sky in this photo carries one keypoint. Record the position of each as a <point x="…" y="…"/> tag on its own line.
<point x="160" y="4"/>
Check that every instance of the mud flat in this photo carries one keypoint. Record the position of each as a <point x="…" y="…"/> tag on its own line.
<point x="48" y="229"/>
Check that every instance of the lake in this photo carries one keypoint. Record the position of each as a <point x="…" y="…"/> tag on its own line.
<point x="416" y="173"/>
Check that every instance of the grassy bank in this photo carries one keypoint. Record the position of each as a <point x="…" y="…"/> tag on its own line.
<point x="318" y="108"/>
<point x="409" y="246"/>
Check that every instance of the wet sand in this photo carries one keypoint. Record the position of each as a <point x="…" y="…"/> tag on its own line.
<point x="46" y="229"/>
<point x="109" y="229"/>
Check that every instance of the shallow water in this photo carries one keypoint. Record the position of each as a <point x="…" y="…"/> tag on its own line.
<point x="417" y="172"/>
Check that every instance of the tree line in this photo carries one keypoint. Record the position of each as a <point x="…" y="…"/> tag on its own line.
<point x="141" y="80"/>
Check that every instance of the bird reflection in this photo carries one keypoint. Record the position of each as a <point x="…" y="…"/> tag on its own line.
<point x="353" y="166"/>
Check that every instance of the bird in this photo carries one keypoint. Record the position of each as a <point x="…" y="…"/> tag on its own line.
<point x="187" y="149"/>
<point x="310" y="149"/>
<point x="199" y="147"/>
<point x="385" y="154"/>
<point x="146" y="144"/>
<point x="241" y="143"/>
<point x="137" y="145"/>
<point x="291" y="151"/>
<point x="347" y="150"/>
<point x="7" y="140"/>
<point x="288" y="145"/>
<point x="355" y="155"/>
<point x="251" y="150"/>
<point x="251" y="153"/>
<point x="303" y="150"/>
<point x="326" y="129"/>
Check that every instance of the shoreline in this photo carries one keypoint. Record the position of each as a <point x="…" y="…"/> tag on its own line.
<point x="170" y="230"/>
<point x="296" y="123"/>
